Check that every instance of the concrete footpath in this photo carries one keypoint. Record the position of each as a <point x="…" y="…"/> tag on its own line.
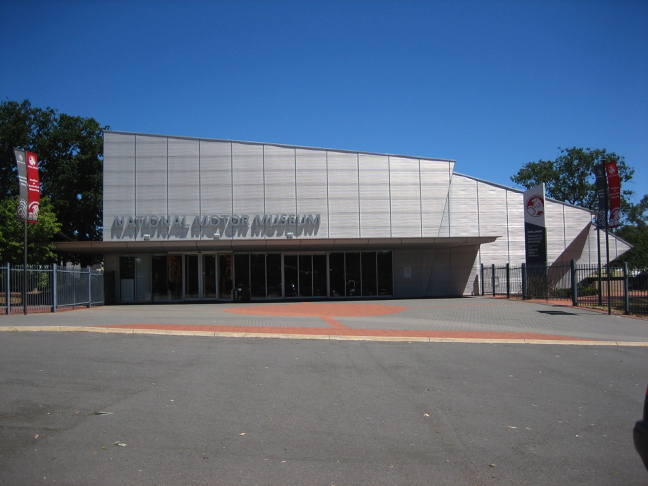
<point x="468" y="319"/>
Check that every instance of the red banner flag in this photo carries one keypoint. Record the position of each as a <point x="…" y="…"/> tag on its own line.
<point x="33" y="185"/>
<point x="614" y="188"/>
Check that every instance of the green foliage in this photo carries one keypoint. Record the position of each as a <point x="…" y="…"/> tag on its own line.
<point x="69" y="150"/>
<point x="637" y="235"/>
<point x="569" y="178"/>
<point x="586" y="291"/>
<point x="40" y="248"/>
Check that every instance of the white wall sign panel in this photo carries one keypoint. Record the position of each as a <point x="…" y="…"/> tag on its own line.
<point x="312" y="190"/>
<point x="118" y="181"/>
<point x="435" y="184"/>
<point x="405" y="197"/>
<point x="373" y="180"/>
<point x="493" y="221"/>
<point x="280" y="190"/>
<point x="463" y="207"/>
<point x="344" y="206"/>
<point x="555" y="223"/>
<point x="215" y="184"/>
<point x="515" y="205"/>
<point x="248" y="185"/>
<point x="151" y="166"/>
<point x="184" y="185"/>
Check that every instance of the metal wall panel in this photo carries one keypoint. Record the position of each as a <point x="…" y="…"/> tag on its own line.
<point x="463" y="206"/>
<point x="184" y="183"/>
<point x="280" y="190"/>
<point x="555" y="222"/>
<point x="405" y="197"/>
<point x="118" y="181"/>
<point x="215" y="183"/>
<point x="248" y="185"/>
<point x="493" y="221"/>
<point x="515" y="209"/>
<point x="344" y="206"/>
<point x="435" y="184"/>
<point x="373" y="180"/>
<point x="312" y="190"/>
<point x="151" y="181"/>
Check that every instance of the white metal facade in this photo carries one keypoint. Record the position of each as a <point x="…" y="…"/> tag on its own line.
<point x="354" y="195"/>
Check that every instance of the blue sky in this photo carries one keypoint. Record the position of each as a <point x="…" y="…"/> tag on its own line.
<point x="490" y="84"/>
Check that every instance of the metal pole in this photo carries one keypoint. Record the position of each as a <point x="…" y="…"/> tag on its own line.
<point x="24" y="292"/>
<point x="493" y="278"/>
<point x="607" y="251"/>
<point x="600" y="282"/>
<point x="8" y="288"/>
<point x="508" y="281"/>
<point x="482" y="279"/>
<point x="574" y="282"/>
<point x="524" y="282"/>
<point x="54" y="284"/>
<point x="626" y="289"/>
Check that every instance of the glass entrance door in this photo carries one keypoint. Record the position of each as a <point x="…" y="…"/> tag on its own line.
<point x="225" y="274"/>
<point x="166" y="277"/>
<point x="192" y="277"/>
<point x="305" y="275"/>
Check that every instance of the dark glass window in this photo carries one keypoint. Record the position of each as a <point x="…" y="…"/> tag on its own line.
<point x="319" y="275"/>
<point x="257" y="274"/>
<point x="291" y="275"/>
<point x="336" y="274"/>
<point x="352" y="273"/>
<point x="273" y="274"/>
<point x="191" y="277"/>
<point x="305" y="276"/>
<point x="242" y="269"/>
<point x="368" y="273"/>
<point x="225" y="276"/>
<point x="209" y="276"/>
<point x="385" y="278"/>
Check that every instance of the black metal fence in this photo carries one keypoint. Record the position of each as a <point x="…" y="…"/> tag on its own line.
<point x="49" y="287"/>
<point x="615" y="289"/>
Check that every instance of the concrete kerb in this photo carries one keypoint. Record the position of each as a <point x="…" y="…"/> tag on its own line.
<point x="108" y="330"/>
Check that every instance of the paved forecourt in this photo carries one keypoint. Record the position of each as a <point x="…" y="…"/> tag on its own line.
<point x="470" y="319"/>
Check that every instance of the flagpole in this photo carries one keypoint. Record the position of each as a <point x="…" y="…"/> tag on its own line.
<point x="607" y="249"/>
<point x="24" y="293"/>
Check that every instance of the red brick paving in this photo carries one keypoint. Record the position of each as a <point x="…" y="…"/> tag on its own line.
<point x="326" y="312"/>
<point x="309" y="309"/>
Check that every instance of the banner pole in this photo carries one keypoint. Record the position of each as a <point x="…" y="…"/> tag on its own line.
<point x="24" y="292"/>
<point x="607" y="251"/>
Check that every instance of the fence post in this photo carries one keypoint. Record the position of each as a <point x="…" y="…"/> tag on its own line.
<point x="508" y="280"/>
<point x="54" y="285"/>
<point x="493" y="278"/>
<point x="524" y="281"/>
<point x="574" y="282"/>
<point x="626" y="289"/>
<point x="482" y="279"/>
<point x="8" y="288"/>
<point x="89" y="288"/>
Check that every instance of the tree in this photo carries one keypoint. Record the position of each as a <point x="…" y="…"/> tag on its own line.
<point x="69" y="150"/>
<point x="569" y="178"/>
<point x="40" y="246"/>
<point x="636" y="233"/>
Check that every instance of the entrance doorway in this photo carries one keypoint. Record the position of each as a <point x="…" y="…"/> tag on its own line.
<point x="214" y="276"/>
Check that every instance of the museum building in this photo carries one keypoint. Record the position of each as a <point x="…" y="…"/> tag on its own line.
<point x="189" y="219"/>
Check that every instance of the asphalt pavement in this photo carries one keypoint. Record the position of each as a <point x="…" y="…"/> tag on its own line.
<point x="133" y="409"/>
<point x="472" y="391"/>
